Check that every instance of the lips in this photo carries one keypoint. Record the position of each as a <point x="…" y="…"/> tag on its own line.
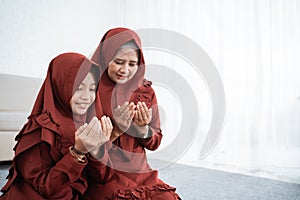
<point x="83" y="105"/>
<point x="121" y="76"/>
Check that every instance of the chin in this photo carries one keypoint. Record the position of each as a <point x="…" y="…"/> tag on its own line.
<point x="81" y="112"/>
<point x="121" y="81"/>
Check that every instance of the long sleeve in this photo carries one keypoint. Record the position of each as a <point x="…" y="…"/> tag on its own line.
<point x="51" y="180"/>
<point x="153" y="142"/>
<point x="100" y="170"/>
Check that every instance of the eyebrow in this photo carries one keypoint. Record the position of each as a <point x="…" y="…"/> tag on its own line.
<point x="119" y="59"/>
<point x="85" y="84"/>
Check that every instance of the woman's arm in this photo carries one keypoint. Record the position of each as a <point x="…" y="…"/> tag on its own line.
<point x="153" y="136"/>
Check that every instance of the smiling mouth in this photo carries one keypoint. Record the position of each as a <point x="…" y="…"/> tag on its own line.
<point x="121" y="76"/>
<point x="83" y="105"/>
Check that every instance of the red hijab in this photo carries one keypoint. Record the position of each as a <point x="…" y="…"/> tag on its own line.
<point x="52" y="111"/>
<point x="113" y="94"/>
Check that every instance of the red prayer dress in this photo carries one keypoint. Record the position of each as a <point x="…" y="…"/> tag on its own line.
<point x="133" y="178"/>
<point x="43" y="167"/>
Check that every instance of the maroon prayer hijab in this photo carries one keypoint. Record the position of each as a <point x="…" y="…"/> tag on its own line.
<point x="65" y="74"/>
<point x="52" y="111"/>
<point x="113" y="94"/>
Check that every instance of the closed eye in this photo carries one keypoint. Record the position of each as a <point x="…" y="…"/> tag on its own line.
<point x="119" y="62"/>
<point x="133" y="64"/>
<point x="79" y="89"/>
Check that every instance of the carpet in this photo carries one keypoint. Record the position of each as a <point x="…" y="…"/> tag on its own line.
<point x="194" y="183"/>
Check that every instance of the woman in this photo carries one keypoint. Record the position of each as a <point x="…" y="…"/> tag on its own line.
<point x="62" y="134"/>
<point x="130" y="100"/>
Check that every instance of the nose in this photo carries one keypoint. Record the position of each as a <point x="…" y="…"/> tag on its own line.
<point x="85" y="94"/>
<point x="124" y="68"/>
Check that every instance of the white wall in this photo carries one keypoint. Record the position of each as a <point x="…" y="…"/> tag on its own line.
<point x="33" y="32"/>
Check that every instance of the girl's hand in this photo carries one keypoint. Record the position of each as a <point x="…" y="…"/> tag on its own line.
<point x="90" y="137"/>
<point x="106" y="128"/>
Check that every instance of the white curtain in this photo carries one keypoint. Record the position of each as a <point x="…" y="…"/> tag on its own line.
<point x="255" y="46"/>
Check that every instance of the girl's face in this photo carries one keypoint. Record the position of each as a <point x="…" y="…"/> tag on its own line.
<point x="84" y="96"/>
<point x="123" y="66"/>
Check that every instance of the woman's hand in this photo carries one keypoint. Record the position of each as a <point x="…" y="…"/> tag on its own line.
<point x="90" y="137"/>
<point x="142" y="118"/>
<point x="143" y="115"/>
<point x="123" y="115"/>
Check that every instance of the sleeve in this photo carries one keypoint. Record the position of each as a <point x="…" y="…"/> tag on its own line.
<point x="51" y="180"/>
<point x="153" y="142"/>
<point x="100" y="169"/>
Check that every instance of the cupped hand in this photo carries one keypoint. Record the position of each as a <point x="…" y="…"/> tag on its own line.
<point x="90" y="137"/>
<point x="143" y="115"/>
<point x="142" y="118"/>
<point x="123" y="115"/>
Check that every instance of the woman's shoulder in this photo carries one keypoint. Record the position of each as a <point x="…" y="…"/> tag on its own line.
<point x="146" y="87"/>
<point x="144" y="93"/>
<point x="147" y="83"/>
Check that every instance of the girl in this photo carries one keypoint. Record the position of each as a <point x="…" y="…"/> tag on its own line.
<point x="61" y="136"/>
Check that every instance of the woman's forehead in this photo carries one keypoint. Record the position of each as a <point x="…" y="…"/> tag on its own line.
<point x="127" y="52"/>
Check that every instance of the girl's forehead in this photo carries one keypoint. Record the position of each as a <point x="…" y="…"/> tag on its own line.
<point x="89" y="79"/>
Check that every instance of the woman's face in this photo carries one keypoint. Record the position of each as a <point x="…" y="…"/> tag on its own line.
<point x="84" y="96"/>
<point x="123" y="66"/>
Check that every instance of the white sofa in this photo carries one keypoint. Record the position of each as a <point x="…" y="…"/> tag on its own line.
<point x="17" y="98"/>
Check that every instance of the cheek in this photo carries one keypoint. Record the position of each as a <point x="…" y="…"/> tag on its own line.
<point x="72" y="103"/>
<point x="73" y="99"/>
<point x="133" y="71"/>
<point x="111" y="70"/>
<point x="93" y="97"/>
<point x="113" y="67"/>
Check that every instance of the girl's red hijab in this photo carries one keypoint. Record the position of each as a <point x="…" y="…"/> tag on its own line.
<point x="52" y="111"/>
<point x="113" y="94"/>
